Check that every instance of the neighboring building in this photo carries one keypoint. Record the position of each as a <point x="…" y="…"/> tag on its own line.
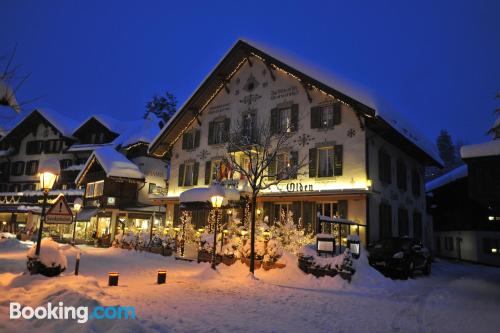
<point x="365" y="164"/>
<point x="46" y="134"/>
<point x="465" y="205"/>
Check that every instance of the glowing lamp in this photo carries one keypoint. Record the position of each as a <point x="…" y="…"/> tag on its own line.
<point x="48" y="171"/>
<point x="162" y="276"/>
<point x="77" y="204"/>
<point x="491" y="218"/>
<point x="113" y="278"/>
<point x="258" y="212"/>
<point x="243" y="232"/>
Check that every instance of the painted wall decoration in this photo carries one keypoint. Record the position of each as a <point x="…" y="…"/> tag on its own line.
<point x="251" y="84"/>
<point x="219" y="108"/>
<point x="284" y="92"/>
<point x="351" y="132"/>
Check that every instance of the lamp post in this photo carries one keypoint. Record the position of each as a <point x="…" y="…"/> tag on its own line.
<point x="48" y="172"/>
<point x="217" y="198"/>
<point x="77" y="205"/>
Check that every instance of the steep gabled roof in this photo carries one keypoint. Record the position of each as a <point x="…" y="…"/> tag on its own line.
<point x="378" y="114"/>
<point x="449" y="177"/>
<point x="144" y="131"/>
<point x="114" y="164"/>
<point x="113" y="125"/>
<point x="61" y="123"/>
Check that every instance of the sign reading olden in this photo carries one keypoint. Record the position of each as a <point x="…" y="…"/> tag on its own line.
<point x="59" y="212"/>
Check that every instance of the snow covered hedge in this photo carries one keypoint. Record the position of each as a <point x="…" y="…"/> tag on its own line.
<point x="51" y="261"/>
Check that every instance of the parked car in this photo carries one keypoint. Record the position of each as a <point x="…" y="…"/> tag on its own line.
<point x="402" y="256"/>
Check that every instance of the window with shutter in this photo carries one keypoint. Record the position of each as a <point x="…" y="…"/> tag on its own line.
<point x="325" y="161"/>
<point x="401" y="174"/>
<point x="313" y="163"/>
<point x="339" y="160"/>
<point x="196" y="139"/>
<point x="17" y="168"/>
<point x="337" y="113"/>
<point x="274" y="121"/>
<point x="384" y="166"/>
<point x="415" y="183"/>
<point x="325" y="116"/>
<point x="196" y="169"/>
<point x="316" y="117"/>
<point x="181" y="175"/>
<point x="385" y="220"/>
<point x="211" y="133"/>
<point x="403" y="222"/>
<point x="417" y="226"/>
<point x="219" y="130"/>
<point x="208" y="172"/>
<point x="294" y="161"/>
<point x="31" y="168"/>
<point x="294" y="126"/>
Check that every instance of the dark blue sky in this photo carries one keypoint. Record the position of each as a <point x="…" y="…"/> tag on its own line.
<point x="436" y="61"/>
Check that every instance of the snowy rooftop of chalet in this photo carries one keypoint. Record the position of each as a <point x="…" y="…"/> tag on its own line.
<point x="113" y="163"/>
<point x="382" y="108"/>
<point x="490" y="148"/>
<point x="449" y="177"/>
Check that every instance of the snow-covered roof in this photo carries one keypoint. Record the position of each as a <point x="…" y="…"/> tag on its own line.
<point x="455" y="174"/>
<point x="88" y="147"/>
<point x="382" y="108"/>
<point x="491" y="148"/>
<point x="114" y="125"/>
<point x="70" y="192"/>
<point x="144" y="130"/>
<point x="113" y="163"/>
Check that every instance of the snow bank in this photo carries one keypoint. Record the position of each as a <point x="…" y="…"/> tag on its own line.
<point x="50" y="253"/>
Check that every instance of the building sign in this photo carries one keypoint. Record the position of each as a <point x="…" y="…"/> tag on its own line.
<point x="59" y="212"/>
<point x="284" y="92"/>
<point x="299" y="187"/>
<point x="111" y="201"/>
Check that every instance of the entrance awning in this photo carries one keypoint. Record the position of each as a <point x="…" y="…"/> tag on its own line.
<point x="86" y="213"/>
<point x="203" y="194"/>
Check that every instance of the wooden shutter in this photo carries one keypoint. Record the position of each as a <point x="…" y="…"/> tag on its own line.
<point x="211" y="133"/>
<point x="338" y="160"/>
<point x="342" y="208"/>
<point x="271" y="171"/>
<point x="181" y="175"/>
<point x="196" y="139"/>
<point x="294" y="161"/>
<point x="274" y="121"/>
<point x="227" y="126"/>
<point x="208" y="172"/>
<point x="184" y="141"/>
<point x="176" y="215"/>
<point x="196" y="169"/>
<point x="295" y="118"/>
<point x="337" y="113"/>
<point x="313" y="168"/>
<point x="316" y="117"/>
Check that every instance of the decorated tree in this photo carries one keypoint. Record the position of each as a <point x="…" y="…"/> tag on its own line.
<point x="252" y="151"/>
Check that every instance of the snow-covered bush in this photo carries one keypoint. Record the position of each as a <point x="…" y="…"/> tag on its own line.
<point x="274" y="251"/>
<point x="51" y="261"/>
<point x="291" y="236"/>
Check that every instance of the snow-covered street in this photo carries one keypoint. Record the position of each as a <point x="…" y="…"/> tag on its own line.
<point x="457" y="297"/>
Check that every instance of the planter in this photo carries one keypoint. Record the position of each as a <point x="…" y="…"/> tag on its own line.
<point x="267" y="266"/>
<point x="37" y="267"/>
<point x="157" y="250"/>
<point x="346" y="275"/>
<point x="228" y="261"/>
<point x="167" y="252"/>
<point x="257" y="263"/>
<point x="204" y="256"/>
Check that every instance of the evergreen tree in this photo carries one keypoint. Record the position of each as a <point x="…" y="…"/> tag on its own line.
<point x="162" y="107"/>
<point x="446" y="149"/>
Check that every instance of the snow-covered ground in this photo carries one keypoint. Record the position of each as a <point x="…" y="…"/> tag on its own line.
<point x="456" y="298"/>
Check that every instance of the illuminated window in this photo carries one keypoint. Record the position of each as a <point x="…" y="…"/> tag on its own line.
<point x="325" y="162"/>
<point x="94" y="189"/>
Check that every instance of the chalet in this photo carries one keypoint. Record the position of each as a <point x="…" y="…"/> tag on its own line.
<point x="365" y="164"/>
<point x="465" y="205"/>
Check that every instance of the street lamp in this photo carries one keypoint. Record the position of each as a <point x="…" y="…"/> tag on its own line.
<point x="48" y="171"/>
<point x="217" y="198"/>
<point x="77" y="205"/>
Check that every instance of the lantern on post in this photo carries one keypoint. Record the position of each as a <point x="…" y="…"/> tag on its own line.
<point x="354" y="246"/>
<point x="77" y="205"/>
<point x="216" y="198"/>
<point x="49" y="170"/>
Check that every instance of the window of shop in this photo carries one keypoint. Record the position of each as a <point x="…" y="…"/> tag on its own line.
<point x="94" y="189"/>
<point x="448" y="243"/>
<point x="31" y="168"/>
<point x="280" y="207"/>
<point x="491" y="246"/>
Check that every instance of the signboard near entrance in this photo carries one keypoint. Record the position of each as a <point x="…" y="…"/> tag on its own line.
<point x="59" y="212"/>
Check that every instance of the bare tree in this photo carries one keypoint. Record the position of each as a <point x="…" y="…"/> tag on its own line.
<point x="252" y="151"/>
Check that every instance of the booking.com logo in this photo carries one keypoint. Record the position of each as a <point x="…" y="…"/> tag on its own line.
<point x="61" y="312"/>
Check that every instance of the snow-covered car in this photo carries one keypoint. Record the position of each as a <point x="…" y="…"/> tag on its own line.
<point x="403" y="256"/>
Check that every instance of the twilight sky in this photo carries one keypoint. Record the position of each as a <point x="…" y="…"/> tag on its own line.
<point x="438" y="62"/>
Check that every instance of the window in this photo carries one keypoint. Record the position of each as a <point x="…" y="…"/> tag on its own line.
<point x="415" y="183"/>
<point x="281" y="207"/>
<point x="448" y="243"/>
<point x="65" y="163"/>
<point x="248" y="126"/>
<point x="94" y="189"/>
<point x="152" y="188"/>
<point x="384" y="166"/>
<point x="190" y="140"/>
<point x="401" y="175"/>
<point x="31" y="168"/>
<point x="285" y="119"/>
<point x="4" y="169"/>
<point x="17" y="168"/>
<point x="325" y="116"/>
<point x="282" y="165"/>
<point x="29" y="187"/>
<point x="218" y="131"/>
<point x="325" y="162"/>
<point x="417" y="226"/>
<point x="385" y="220"/>
<point x="491" y="246"/>
<point x="34" y="147"/>
<point x="403" y="222"/>
<point x="188" y="174"/>
<point x="52" y="146"/>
